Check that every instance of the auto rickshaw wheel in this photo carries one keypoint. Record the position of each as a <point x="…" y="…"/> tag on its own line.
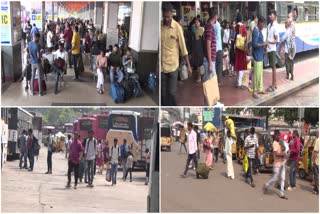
<point x="302" y="173"/>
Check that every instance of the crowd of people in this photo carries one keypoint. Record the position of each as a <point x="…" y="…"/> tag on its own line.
<point x="286" y="153"/>
<point x="222" y="48"/>
<point x="62" y="43"/>
<point x="84" y="157"/>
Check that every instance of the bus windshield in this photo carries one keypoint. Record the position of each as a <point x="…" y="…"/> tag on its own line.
<point x="85" y="125"/>
<point x="68" y="129"/>
<point x="102" y="122"/>
<point x="124" y="122"/>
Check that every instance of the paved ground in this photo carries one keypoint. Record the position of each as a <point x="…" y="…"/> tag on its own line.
<point x="219" y="194"/>
<point x="72" y="93"/>
<point x="308" y="96"/>
<point x="23" y="191"/>
<point x="190" y="93"/>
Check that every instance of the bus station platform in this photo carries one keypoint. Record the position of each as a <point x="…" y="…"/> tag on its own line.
<point x="305" y="74"/>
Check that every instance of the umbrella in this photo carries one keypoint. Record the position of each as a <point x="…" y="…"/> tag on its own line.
<point x="210" y="127"/>
<point x="178" y="124"/>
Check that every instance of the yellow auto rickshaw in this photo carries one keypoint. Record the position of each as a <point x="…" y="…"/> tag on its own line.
<point x="166" y="139"/>
<point x="306" y="156"/>
<point x="265" y="154"/>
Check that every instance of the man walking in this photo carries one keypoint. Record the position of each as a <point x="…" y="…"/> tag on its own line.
<point x="76" y="151"/>
<point x="67" y="36"/>
<point x="294" y="148"/>
<point x="23" y="149"/>
<point x="272" y="40"/>
<point x="251" y="145"/>
<point x="219" y="56"/>
<point x="114" y="151"/>
<point x="209" y="61"/>
<point x="172" y="46"/>
<point x="90" y="154"/>
<point x="258" y="55"/>
<point x="75" y="50"/>
<point x="32" y="142"/>
<point x="124" y="151"/>
<point x="279" y="154"/>
<point x="49" y="157"/>
<point x="228" y="151"/>
<point x="34" y="49"/>
<point x="192" y="155"/>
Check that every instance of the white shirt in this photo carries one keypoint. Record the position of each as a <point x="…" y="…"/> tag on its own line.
<point x="63" y="55"/>
<point x="226" y="36"/>
<point x="90" y="149"/>
<point x="192" y="140"/>
<point x="49" y="56"/>
<point x="272" y="32"/>
<point x="49" y="36"/>
<point x="114" y="151"/>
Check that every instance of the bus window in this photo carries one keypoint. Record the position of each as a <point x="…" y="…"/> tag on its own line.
<point x="121" y="122"/>
<point x="85" y="125"/>
<point x="102" y="122"/>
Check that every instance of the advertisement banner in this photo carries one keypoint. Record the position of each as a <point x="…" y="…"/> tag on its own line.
<point x="5" y="23"/>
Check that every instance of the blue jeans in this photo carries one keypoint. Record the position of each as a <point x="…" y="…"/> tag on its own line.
<point x="207" y="74"/>
<point x="292" y="173"/>
<point x="119" y="73"/>
<point x="90" y="170"/>
<point x="23" y="155"/>
<point x="124" y="169"/>
<point x="278" y="172"/>
<point x="114" y="170"/>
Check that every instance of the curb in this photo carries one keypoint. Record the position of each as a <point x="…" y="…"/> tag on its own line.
<point x="282" y="92"/>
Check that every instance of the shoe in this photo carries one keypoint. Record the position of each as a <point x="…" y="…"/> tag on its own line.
<point x="253" y="185"/>
<point x="74" y="78"/>
<point x="30" y="170"/>
<point x="291" y="188"/>
<point x="88" y="185"/>
<point x="130" y="180"/>
<point x="86" y="182"/>
<point x="146" y="183"/>
<point x="75" y="187"/>
<point x="80" y="180"/>
<point x="91" y="186"/>
<point x="50" y="172"/>
<point x="265" y="189"/>
<point x="287" y="77"/>
<point x="47" y="172"/>
<point x="183" y="176"/>
<point x="283" y="196"/>
<point x="68" y="185"/>
<point x="292" y="78"/>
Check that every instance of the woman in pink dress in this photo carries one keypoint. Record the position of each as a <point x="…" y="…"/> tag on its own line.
<point x="208" y="142"/>
<point x="100" y="157"/>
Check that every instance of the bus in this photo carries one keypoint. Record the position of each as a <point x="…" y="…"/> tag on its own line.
<point x="68" y="129"/>
<point x="100" y="126"/>
<point x="18" y="120"/>
<point x="45" y="133"/>
<point x="125" y="125"/>
<point x="83" y="125"/>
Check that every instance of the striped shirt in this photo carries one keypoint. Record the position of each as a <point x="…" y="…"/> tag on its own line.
<point x="251" y="140"/>
<point x="210" y="35"/>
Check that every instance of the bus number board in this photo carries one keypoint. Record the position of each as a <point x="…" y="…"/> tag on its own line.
<point x="121" y="122"/>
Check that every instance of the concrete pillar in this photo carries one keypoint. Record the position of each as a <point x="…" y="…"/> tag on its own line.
<point x="105" y="17"/>
<point x="144" y="39"/>
<point x="111" y="22"/>
<point x="95" y="13"/>
<point x="52" y="5"/>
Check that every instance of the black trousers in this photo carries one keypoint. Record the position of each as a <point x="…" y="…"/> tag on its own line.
<point x="147" y="170"/>
<point x="72" y="167"/>
<point x="195" y="161"/>
<point x="129" y="170"/>
<point x="219" y="64"/>
<point x="249" y="172"/>
<point x="184" y="145"/>
<point x="169" y="88"/>
<point x="49" y="161"/>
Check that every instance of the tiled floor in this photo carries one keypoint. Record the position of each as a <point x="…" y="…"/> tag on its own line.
<point x="191" y="93"/>
<point x="72" y="93"/>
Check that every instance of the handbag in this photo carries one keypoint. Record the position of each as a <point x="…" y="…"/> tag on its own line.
<point x="131" y="67"/>
<point x="241" y="43"/>
<point x="184" y="72"/>
<point x="201" y="70"/>
<point x="211" y="91"/>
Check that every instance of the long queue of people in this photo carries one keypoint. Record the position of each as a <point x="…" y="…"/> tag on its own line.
<point x="285" y="154"/>
<point x="63" y="44"/>
<point x="217" y="47"/>
<point x="83" y="157"/>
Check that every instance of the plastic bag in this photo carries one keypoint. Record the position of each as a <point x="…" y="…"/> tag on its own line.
<point x="245" y="163"/>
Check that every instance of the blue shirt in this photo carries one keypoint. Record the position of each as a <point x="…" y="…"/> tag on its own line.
<point x="257" y="39"/>
<point x="34" y="49"/>
<point x="217" y="29"/>
<point x="286" y="38"/>
<point x="33" y="31"/>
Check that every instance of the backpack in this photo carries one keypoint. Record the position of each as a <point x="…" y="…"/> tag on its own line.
<point x="87" y="143"/>
<point x="152" y="81"/>
<point x="117" y="92"/>
<point x="112" y="152"/>
<point x="127" y="86"/>
<point x="45" y="64"/>
<point x="137" y="91"/>
<point x="59" y="63"/>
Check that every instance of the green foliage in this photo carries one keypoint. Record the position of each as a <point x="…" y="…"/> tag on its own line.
<point x="311" y="116"/>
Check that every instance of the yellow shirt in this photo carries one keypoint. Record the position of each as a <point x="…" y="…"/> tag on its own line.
<point x="76" y="43"/>
<point x="172" y="46"/>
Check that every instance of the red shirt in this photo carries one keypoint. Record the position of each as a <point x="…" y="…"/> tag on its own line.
<point x="68" y="35"/>
<point x="75" y="151"/>
<point x="210" y="35"/>
<point x="294" y="148"/>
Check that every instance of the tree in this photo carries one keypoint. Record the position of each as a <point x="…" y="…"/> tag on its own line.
<point x="311" y="116"/>
<point x="262" y="112"/>
<point x="290" y="115"/>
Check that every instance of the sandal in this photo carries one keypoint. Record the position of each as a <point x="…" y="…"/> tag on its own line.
<point x="255" y="96"/>
<point x="270" y="89"/>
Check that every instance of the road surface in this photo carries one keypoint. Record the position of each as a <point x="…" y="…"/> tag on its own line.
<point x="23" y="191"/>
<point x="219" y="194"/>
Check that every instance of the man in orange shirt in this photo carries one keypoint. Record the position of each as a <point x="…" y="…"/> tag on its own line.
<point x="278" y="171"/>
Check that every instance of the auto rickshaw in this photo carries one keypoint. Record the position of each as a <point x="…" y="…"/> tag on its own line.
<point x="166" y="139"/>
<point x="265" y="154"/>
<point x="306" y="156"/>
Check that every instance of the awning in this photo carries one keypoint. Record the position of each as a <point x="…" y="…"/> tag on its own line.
<point x="75" y="6"/>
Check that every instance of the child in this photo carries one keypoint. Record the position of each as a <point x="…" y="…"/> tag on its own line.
<point x="226" y="60"/>
<point x="129" y="164"/>
<point x="100" y="162"/>
<point x="147" y="166"/>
